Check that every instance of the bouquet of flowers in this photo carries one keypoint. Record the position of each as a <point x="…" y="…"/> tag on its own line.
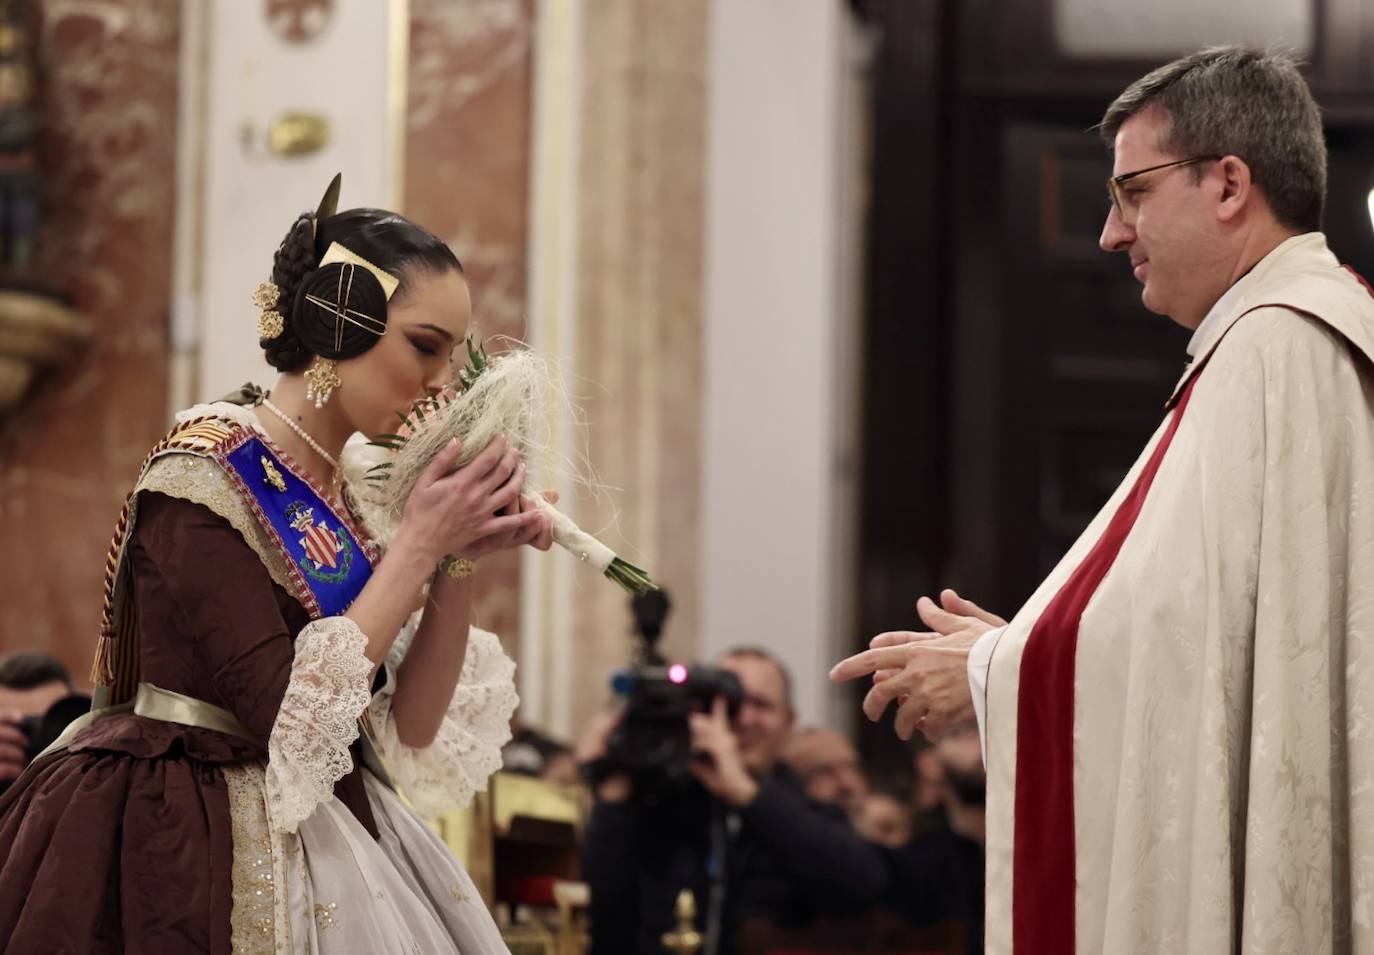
<point x="505" y="394"/>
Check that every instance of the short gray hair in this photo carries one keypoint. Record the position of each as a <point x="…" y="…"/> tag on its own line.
<point x="1246" y="102"/>
<point x="765" y="656"/>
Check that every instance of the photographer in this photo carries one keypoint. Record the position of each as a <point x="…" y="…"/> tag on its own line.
<point x="30" y="683"/>
<point x="937" y="878"/>
<point x="786" y="860"/>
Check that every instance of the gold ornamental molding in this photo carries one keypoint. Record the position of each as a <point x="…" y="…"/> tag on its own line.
<point x="297" y="134"/>
<point x="37" y="334"/>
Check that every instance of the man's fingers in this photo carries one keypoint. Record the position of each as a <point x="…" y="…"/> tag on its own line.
<point x="878" y="698"/>
<point x="703" y="729"/>
<point x="909" y="713"/>
<point x="882" y="675"/>
<point x="869" y="661"/>
<point x="938" y="619"/>
<point x="720" y="711"/>
<point x="900" y="638"/>
<point x="951" y="601"/>
<point x="10" y="753"/>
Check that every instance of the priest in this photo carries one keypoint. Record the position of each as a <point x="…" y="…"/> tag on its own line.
<point x="1179" y="723"/>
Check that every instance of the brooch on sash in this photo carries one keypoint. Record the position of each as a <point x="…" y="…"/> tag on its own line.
<point x="271" y="475"/>
<point x="318" y="544"/>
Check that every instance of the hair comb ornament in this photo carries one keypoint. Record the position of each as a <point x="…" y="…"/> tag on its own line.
<point x="271" y="323"/>
<point x="337" y="253"/>
<point x="329" y="202"/>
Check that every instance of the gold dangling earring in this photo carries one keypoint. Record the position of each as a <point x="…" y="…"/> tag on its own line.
<point x="321" y="381"/>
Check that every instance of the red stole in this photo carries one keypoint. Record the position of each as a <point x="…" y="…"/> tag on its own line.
<point x="1043" y="867"/>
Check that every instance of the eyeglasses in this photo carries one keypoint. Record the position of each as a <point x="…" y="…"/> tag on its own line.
<point x="1114" y="183"/>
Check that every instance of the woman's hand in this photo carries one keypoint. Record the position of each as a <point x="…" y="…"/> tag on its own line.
<point x="538" y="534"/>
<point x="450" y="513"/>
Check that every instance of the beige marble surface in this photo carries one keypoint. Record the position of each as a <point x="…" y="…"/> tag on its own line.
<point x="467" y="172"/>
<point x="640" y="315"/>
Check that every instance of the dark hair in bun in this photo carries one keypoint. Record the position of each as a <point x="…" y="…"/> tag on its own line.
<point x="391" y="242"/>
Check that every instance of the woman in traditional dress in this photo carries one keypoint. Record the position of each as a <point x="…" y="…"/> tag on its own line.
<point x="264" y="682"/>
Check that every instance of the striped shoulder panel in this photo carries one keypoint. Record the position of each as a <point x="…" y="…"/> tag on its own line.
<point x="199" y="435"/>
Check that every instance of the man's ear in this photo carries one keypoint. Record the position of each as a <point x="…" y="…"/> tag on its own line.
<point x="1237" y="187"/>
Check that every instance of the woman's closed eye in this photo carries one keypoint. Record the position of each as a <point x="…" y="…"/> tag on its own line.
<point x="424" y="347"/>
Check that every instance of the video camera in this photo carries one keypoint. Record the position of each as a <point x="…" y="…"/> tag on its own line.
<point x="42" y="731"/>
<point x="653" y="741"/>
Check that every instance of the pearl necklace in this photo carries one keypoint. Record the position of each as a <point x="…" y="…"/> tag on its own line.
<point x="315" y="445"/>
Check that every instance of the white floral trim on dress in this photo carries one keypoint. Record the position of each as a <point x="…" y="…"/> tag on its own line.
<point x="307" y="751"/>
<point x="467" y="748"/>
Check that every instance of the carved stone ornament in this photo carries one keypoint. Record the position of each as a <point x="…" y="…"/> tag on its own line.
<point x="37" y="332"/>
<point x="298" y="21"/>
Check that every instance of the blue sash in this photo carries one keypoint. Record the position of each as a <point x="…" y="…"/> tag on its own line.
<point x="327" y="560"/>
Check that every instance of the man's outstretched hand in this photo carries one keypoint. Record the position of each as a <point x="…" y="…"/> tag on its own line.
<point x="925" y="672"/>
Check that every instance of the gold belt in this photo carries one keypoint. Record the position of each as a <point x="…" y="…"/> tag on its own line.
<point x="155" y="703"/>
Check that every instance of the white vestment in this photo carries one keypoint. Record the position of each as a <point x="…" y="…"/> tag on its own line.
<point x="1215" y="784"/>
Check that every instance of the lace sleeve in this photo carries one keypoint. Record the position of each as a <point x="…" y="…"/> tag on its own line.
<point x="467" y="749"/>
<point x="307" y="751"/>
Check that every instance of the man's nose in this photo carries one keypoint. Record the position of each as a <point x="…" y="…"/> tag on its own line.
<point x="1116" y="236"/>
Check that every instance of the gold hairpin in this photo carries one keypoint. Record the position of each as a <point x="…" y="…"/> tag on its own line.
<point x="342" y="313"/>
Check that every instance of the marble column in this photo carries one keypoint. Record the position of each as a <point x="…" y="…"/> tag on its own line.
<point x="107" y="153"/>
<point x="466" y="175"/>
<point x="635" y="342"/>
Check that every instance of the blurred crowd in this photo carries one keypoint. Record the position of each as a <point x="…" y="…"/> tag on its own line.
<point x="785" y="835"/>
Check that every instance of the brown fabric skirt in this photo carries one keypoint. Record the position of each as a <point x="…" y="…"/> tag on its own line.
<point x="106" y="852"/>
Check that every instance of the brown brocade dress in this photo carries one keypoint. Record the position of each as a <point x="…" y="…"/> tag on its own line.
<point x="147" y="836"/>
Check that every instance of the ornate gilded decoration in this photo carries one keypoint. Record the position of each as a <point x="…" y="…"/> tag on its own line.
<point x="338" y="253"/>
<point x="342" y="312"/>
<point x="298" y="21"/>
<point x="253" y="917"/>
<point x="297" y="134"/>
<point x="324" y="914"/>
<point x="271" y="475"/>
<point x="457" y="567"/>
<point x="266" y="295"/>
<point x="684" y="939"/>
<point x="271" y="323"/>
<point x="321" y="380"/>
<point x="36" y="333"/>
